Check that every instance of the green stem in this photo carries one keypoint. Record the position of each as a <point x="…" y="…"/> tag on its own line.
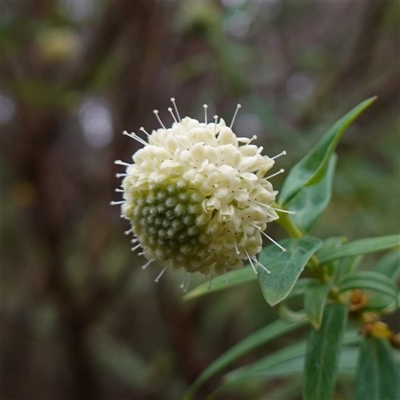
<point x="290" y="227"/>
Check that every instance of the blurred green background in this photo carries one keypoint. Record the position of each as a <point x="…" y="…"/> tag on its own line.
<point x="80" y="319"/>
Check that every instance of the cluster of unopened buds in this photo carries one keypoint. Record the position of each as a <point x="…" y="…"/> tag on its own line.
<point x="197" y="197"/>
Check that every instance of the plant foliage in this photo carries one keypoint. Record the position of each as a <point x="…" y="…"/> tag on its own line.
<point x="336" y="292"/>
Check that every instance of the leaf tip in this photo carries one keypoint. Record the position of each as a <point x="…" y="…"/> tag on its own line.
<point x="189" y="296"/>
<point x="372" y="99"/>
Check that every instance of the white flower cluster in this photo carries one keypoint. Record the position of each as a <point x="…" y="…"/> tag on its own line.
<point x="197" y="198"/>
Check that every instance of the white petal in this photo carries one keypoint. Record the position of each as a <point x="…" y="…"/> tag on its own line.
<point x="226" y="136"/>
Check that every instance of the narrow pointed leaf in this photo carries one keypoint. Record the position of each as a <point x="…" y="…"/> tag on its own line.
<point x="285" y="266"/>
<point x="357" y="247"/>
<point x="234" y="378"/>
<point x="310" y="202"/>
<point x="389" y="265"/>
<point x="262" y="336"/>
<point x="295" y="366"/>
<point x="377" y="373"/>
<point x="282" y="355"/>
<point x="234" y="278"/>
<point x="322" y="356"/>
<point x="368" y="280"/>
<point x="332" y="243"/>
<point x="314" y="302"/>
<point x="345" y="266"/>
<point x="280" y="358"/>
<point x="312" y="168"/>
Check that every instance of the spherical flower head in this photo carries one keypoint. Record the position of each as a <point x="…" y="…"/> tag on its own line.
<point x="197" y="198"/>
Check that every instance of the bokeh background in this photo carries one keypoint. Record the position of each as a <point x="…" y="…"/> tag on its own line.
<point x="80" y="319"/>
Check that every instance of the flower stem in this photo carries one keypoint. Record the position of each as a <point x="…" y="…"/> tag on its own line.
<point x="290" y="227"/>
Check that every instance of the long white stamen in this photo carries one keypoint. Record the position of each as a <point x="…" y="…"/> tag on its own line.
<point x="120" y="162"/>
<point x="275" y="174"/>
<point x="251" y="262"/>
<point x="133" y="136"/>
<point x="248" y="141"/>
<point x="284" y="211"/>
<point x="205" y="113"/>
<point x="160" y="274"/>
<point x="262" y="204"/>
<point x="148" y="135"/>
<point x="173" y="116"/>
<point x="283" y="153"/>
<point x="128" y="232"/>
<point x="141" y="253"/>
<point x="256" y="226"/>
<point x="237" y="250"/>
<point x="176" y="109"/>
<point x="211" y="279"/>
<point x="116" y="203"/>
<point x="254" y="137"/>
<point x="234" y="116"/>
<point x="136" y="247"/>
<point x="273" y="241"/>
<point x="159" y="119"/>
<point x="147" y="264"/>
<point x="119" y="175"/>
<point x="134" y="240"/>
<point x="119" y="190"/>
<point x="144" y="131"/>
<point x="215" y="123"/>
<point x="262" y="266"/>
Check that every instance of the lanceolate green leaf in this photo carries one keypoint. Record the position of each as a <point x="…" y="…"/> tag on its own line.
<point x="377" y="373"/>
<point x="314" y="302"/>
<point x="345" y="266"/>
<point x="389" y="265"/>
<point x="323" y="349"/>
<point x="288" y="357"/>
<point x="311" y="201"/>
<point x="357" y="247"/>
<point x="312" y="168"/>
<point x="232" y="379"/>
<point x="331" y="244"/>
<point x="295" y="366"/>
<point x="264" y="335"/>
<point x="233" y="278"/>
<point x="285" y="266"/>
<point x="369" y="280"/>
